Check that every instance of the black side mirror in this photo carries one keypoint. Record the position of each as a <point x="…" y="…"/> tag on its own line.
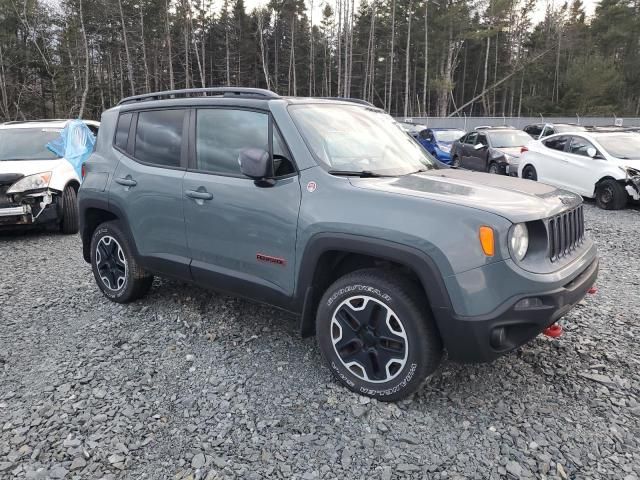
<point x="256" y="163"/>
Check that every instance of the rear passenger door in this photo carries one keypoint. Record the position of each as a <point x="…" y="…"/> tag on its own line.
<point x="147" y="186"/>
<point x="242" y="236"/>
<point x="467" y="150"/>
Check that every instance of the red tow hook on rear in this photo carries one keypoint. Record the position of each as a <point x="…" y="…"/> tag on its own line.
<point x="553" y="331"/>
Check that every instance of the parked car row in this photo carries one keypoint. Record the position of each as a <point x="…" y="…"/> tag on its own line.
<point x="597" y="162"/>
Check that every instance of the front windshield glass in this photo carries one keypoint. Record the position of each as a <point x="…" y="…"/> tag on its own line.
<point x="509" y="139"/>
<point x="625" y="146"/>
<point x="353" y="138"/>
<point x="27" y="143"/>
<point x="448" y="135"/>
<point x="568" y="128"/>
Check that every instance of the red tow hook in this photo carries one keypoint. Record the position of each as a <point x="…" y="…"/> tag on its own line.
<point x="553" y="331"/>
<point x="592" y="290"/>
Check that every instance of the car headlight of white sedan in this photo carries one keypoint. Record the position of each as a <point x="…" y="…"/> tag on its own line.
<point x="39" y="181"/>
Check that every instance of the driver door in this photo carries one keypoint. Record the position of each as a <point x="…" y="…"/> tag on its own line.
<point x="579" y="173"/>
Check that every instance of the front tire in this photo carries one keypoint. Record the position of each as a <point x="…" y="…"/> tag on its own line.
<point x="610" y="195"/>
<point x="455" y="162"/>
<point x="70" y="221"/>
<point x="376" y="334"/>
<point x="493" y="168"/>
<point x="114" y="265"/>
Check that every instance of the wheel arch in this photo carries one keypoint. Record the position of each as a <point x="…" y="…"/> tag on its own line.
<point x="607" y="177"/>
<point x="330" y="256"/>
<point x="93" y="212"/>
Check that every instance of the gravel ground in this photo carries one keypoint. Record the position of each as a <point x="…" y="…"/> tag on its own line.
<point x="190" y="384"/>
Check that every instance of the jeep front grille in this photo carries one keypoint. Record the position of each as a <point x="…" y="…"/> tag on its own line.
<point x="566" y="233"/>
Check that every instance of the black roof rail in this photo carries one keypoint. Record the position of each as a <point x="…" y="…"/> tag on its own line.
<point x="359" y="101"/>
<point x="202" y="92"/>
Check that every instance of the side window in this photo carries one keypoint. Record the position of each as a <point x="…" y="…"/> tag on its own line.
<point x="159" y="137"/>
<point x="534" y="130"/>
<point x="425" y="135"/>
<point x="221" y="134"/>
<point x="471" y="138"/>
<point x="579" y="146"/>
<point x="282" y="164"/>
<point x="556" y="143"/>
<point x="482" y="138"/>
<point x="122" y="130"/>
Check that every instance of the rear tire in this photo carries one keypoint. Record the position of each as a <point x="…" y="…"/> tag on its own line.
<point x="376" y="334"/>
<point x="114" y="265"/>
<point x="69" y="223"/>
<point x="610" y="195"/>
<point x="529" y="173"/>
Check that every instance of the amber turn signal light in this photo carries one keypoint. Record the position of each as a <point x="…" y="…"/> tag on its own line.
<point x="487" y="241"/>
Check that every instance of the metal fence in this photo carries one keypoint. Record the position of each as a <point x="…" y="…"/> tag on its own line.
<point x="469" y="123"/>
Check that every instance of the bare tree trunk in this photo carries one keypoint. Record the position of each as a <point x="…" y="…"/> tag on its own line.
<point x="406" y="70"/>
<point x="144" y="51"/>
<point x="292" y="60"/>
<point x="265" y="65"/>
<point x="393" y="40"/>
<point x="339" y="47"/>
<point x="426" y="58"/>
<point x="172" y="82"/>
<point x="227" y="54"/>
<point x="312" y="86"/>
<point x="85" y="91"/>
<point x="3" y="88"/>
<point x="187" y="78"/>
<point x="486" y="71"/>
<point x="126" y="50"/>
<point x="203" y="81"/>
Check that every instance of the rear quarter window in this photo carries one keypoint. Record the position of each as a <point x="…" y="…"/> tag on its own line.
<point x="122" y="131"/>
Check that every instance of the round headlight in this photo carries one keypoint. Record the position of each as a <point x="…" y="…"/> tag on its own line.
<point x="519" y="241"/>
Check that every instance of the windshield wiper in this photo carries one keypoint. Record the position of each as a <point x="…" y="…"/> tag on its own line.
<point x="357" y="173"/>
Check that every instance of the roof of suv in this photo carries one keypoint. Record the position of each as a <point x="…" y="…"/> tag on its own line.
<point x="52" y="123"/>
<point x="232" y="93"/>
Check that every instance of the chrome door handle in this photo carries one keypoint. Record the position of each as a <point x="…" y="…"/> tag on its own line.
<point x="127" y="182"/>
<point x="198" y="195"/>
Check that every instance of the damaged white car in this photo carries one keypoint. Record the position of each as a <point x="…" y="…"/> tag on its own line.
<point x="37" y="186"/>
<point x="596" y="164"/>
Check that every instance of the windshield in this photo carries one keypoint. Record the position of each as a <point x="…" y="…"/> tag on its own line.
<point x="448" y="135"/>
<point x="509" y="139"/>
<point x="27" y="143"/>
<point x="353" y="138"/>
<point x="625" y="146"/>
<point x="568" y="128"/>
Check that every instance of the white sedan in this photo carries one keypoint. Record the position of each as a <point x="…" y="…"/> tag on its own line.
<point x="604" y="166"/>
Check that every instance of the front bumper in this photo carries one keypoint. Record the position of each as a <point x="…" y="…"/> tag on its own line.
<point x="485" y="338"/>
<point x="444" y="157"/>
<point x="24" y="214"/>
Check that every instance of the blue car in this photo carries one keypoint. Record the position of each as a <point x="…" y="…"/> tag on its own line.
<point x="438" y="141"/>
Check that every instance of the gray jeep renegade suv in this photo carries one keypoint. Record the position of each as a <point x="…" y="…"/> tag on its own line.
<point x="327" y="209"/>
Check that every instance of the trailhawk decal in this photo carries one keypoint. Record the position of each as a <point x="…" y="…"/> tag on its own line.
<point x="357" y="288"/>
<point x="269" y="259"/>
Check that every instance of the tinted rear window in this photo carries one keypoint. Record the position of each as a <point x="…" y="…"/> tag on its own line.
<point x="159" y="137"/>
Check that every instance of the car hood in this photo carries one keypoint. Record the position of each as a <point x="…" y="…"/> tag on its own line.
<point x="28" y="167"/>
<point x="514" y="199"/>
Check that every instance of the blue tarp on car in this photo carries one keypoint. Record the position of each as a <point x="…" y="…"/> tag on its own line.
<point x="74" y="144"/>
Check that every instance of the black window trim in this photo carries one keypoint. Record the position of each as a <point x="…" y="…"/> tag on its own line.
<point x="568" y="148"/>
<point x="129" y="153"/>
<point x="191" y="164"/>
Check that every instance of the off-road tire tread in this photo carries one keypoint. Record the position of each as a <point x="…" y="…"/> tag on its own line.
<point x="139" y="282"/>
<point x="405" y="291"/>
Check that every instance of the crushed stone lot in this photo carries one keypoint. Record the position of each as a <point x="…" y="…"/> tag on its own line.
<point x="187" y="383"/>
